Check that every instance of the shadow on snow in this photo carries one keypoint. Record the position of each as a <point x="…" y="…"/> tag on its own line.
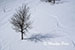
<point x="40" y="37"/>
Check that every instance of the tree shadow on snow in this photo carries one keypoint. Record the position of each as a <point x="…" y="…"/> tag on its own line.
<point x="40" y="37"/>
<point x="61" y="2"/>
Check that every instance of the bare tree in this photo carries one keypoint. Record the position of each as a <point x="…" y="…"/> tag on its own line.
<point x="51" y="1"/>
<point x="21" y="20"/>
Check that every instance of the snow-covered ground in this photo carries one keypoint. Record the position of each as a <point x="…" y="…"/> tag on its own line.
<point x="46" y="17"/>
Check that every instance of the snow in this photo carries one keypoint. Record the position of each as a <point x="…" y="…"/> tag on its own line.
<point x="48" y="18"/>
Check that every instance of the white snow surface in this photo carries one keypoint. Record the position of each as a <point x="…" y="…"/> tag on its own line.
<point x="48" y="18"/>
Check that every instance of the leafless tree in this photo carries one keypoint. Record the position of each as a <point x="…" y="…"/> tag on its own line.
<point x="21" y="20"/>
<point x="51" y="1"/>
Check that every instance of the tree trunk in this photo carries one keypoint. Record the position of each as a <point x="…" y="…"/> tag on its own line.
<point x="21" y="36"/>
<point x="50" y="0"/>
<point x="54" y="1"/>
